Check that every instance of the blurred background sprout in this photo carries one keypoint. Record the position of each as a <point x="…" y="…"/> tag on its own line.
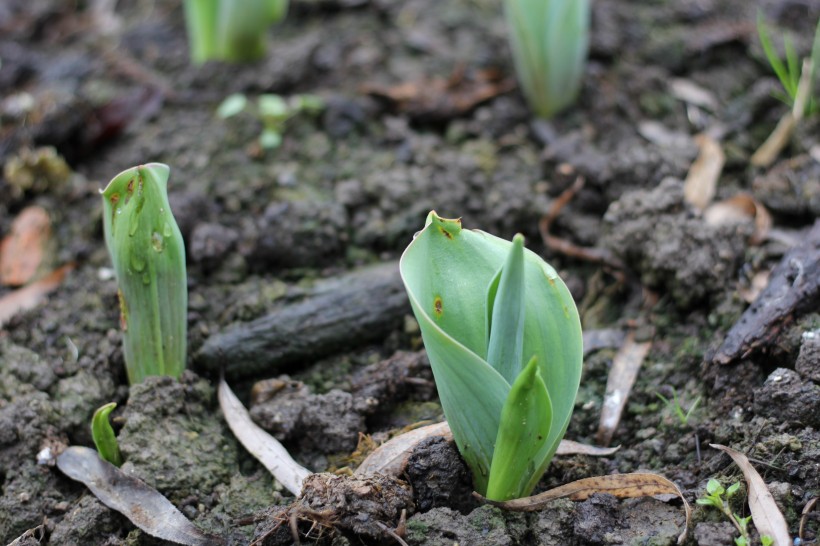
<point x="549" y="40"/>
<point x="230" y="30"/>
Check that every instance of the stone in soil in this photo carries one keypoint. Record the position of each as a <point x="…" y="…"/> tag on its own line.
<point x="787" y="397"/>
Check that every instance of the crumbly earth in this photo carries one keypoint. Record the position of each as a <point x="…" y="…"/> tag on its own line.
<point x="90" y="89"/>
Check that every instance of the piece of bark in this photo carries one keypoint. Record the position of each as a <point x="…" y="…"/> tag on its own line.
<point x="338" y="314"/>
<point x="793" y="289"/>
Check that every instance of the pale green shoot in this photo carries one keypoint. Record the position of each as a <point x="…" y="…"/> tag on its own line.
<point x="148" y="254"/>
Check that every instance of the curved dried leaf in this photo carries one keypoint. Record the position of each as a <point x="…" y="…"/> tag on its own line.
<point x="625" y="367"/>
<point x="702" y="178"/>
<point x="146" y="507"/>
<point x="623" y="486"/>
<point x="391" y="457"/>
<point x="766" y="515"/>
<point x="31" y="295"/>
<point x="805" y="515"/>
<point x="264" y="447"/>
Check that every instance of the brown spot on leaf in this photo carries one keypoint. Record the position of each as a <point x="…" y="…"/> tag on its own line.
<point x="438" y="306"/>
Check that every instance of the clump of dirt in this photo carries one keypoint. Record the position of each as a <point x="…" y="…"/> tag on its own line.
<point x="674" y="251"/>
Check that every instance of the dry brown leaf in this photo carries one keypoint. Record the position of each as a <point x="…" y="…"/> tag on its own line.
<point x="264" y="447"/>
<point x="703" y="175"/>
<point x="741" y="208"/>
<point x="146" y="507"/>
<point x="23" y="249"/>
<point x="440" y="99"/>
<point x="623" y="486"/>
<point x="805" y="515"/>
<point x="30" y="296"/>
<point x="391" y="457"/>
<point x="625" y="367"/>
<point x="766" y="515"/>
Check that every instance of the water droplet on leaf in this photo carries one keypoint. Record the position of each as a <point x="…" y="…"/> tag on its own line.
<point x="157" y="242"/>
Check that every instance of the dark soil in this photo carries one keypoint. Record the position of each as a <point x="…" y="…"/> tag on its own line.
<point x="275" y="237"/>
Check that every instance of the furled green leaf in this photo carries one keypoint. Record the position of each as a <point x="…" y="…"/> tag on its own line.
<point x="524" y="428"/>
<point x="148" y="254"/>
<point x="505" y="315"/>
<point x="103" y="435"/>
<point x="452" y="278"/>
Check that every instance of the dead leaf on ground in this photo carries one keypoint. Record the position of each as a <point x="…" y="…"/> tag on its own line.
<point x="766" y="515"/>
<point x="805" y="515"/>
<point x="741" y="208"/>
<point x="30" y="296"/>
<point x="391" y="457"/>
<point x="264" y="447"/>
<point x="758" y="283"/>
<point x="625" y="367"/>
<point x="23" y="250"/>
<point x="702" y="178"/>
<point x="442" y="99"/>
<point x="691" y="93"/>
<point x="146" y="507"/>
<point x="622" y="486"/>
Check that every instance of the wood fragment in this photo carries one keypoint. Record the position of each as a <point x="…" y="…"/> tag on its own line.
<point x="625" y="367"/>
<point x="793" y="289"/>
<point x="146" y="507"/>
<point x="264" y="447"/>
<point x="622" y="486"/>
<point x="335" y="315"/>
<point x="766" y="515"/>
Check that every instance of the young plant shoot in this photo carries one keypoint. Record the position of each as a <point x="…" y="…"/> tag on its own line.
<point x="549" y="40"/>
<point x="103" y="435"/>
<point x="148" y="253"/>
<point x="504" y="340"/>
<point x="230" y="30"/>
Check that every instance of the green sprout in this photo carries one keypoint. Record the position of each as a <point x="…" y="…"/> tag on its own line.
<point x="790" y="72"/>
<point x="676" y="407"/>
<point x="230" y="30"/>
<point x="549" y="40"/>
<point x="715" y="497"/>
<point x="504" y="340"/>
<point x="148" y="253"/>
<point x="273" y="111"/>
<point x="103" y="435"/>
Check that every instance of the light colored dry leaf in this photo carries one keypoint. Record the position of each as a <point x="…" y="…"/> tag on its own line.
<point x="741" y="208"/>
<point x="702" y="178"/>
<point x="146" y="507"/>
<point x="805" y="515"/>
<point x="657" y="133"/>
<point x="264" y="447"/>
<point x="391" y="457"/>
<point x="569" y="447"/>
<point x="623" y="486"/>
<point x="30" y="296"/>
<point x="766" y="515"/>
<point x="691" y="93"/>
<point x="759" y="282"/>
<point x="22" y="251"/>
<point x="625" y="367"/>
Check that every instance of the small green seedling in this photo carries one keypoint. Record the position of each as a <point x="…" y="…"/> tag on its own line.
<point x="718" y="497"/>
<point x="790" y="72"/>
<point x="504" y="340"/>
<point x="148" y="254"/>
<point x="273" y="111"/>
<point x="676" y="407"/>
<point x="230" y="30"/>
<point x="549" y="40"/>
<point x="103" y="435"/>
